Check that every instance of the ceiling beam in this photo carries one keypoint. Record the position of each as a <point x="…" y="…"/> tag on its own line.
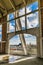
<point x="1" y="12"/>
<point x="24" y="2"/>
<point x="12" y="4"/>
<point x="2" y="6"/>
<point x="3" y="3"/>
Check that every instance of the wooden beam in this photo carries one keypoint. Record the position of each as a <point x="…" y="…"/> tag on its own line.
<point x="4" y="36"/>
<point x="2" y="6"/>
<point x="18" y="23"/>
<point x="35" y="32"/>
<point x="12" y="4"/>
<point x="24" y="2"/>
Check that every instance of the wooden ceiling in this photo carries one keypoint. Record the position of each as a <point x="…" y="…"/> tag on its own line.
<point x="8" y="6"/>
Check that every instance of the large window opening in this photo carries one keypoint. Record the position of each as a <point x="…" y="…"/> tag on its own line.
<point x="22" y="44"/>
<point x="31" y="44"/>
<point x="16" y="45"/>
<point x="28" y="17"/>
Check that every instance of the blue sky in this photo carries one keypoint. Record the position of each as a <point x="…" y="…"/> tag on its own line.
<point x="33" y="6"/>
<point x="32" y="21"/>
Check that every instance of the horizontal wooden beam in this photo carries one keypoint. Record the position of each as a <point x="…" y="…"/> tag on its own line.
<point x="32" y="31"/>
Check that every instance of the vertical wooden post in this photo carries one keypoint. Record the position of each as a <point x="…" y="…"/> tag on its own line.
<point x="4" y="35"/>
<point x="41" y="27"/>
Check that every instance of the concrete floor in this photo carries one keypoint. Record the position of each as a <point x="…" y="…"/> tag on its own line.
<point x="2" y="56"/>
<point x="34" y="61"/>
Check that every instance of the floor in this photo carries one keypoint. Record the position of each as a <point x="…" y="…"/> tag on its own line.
<point x="2" y="56"/>
<point x="34" y="61"/>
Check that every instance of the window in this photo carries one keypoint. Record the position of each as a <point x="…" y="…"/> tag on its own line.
<point x="32" y="20"/>
<point x="10" y="16"/>
<point x="30" y="39"/>
<point x="32" y="7"/>
<point x="21" y="11"/>
<point x="15" y="40"/>
<point x="11" y="26"/>
<point x="15" y="44"/>
<point x="31" y="44"/>
<point x="11" y="23"/>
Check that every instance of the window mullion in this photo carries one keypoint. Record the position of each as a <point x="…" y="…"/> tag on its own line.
<point x="25" y="19"/>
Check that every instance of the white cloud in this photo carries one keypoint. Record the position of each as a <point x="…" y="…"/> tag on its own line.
<point x="27" y="35"/>
<point x="21" y="12"/>
<point x="28" y="10"/>
<point x="0" y="32"/>
<point x="11" y="27"/>
<point x="15" y="41"/>
<point x="34" y="22"/>
<point x="27" y="41"/>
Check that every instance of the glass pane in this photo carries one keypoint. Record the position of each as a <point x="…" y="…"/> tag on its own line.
<point x="15" y="44"/>
<point x="32" y="20"/>
<point x="22" y="20"/>
<point x="31" y="44"/>
<point x="11" y="26"/>
<point x="30" y="39"/>
<point x="32" y="7"/>
<point x="21" y="11"/>
<point x="10" y="16"/>
<point x="15" y="40"/>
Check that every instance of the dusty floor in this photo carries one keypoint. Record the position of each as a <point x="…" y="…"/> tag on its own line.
<point x="35" y="61"/>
